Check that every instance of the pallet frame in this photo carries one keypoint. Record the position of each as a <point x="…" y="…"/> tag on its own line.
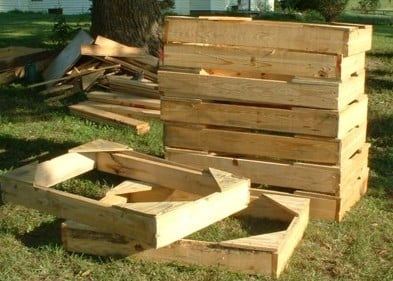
<point x="260" y="254"/>
<point x="199" y="197"/>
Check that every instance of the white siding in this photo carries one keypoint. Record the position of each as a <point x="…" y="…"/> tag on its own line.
<point x="199" y="5"/>
<point x="69" y="6"/>
<point x="182" y="7"/>
<point x="10" y="5"/>
<point x="218" y="5"/>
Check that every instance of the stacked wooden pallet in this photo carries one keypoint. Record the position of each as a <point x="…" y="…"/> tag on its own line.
<point x="280" y="103"/>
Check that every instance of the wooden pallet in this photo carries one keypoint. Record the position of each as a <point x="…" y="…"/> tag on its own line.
<point x="173" y="202"/>
<point x="246" y="143"/>
<point x="295" y="120"/>
<point x="254" y="90"/>
<point x="260" y="254"/>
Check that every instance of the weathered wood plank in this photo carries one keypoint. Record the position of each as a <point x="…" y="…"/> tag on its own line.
<point x="333" y="39"/>
<point x="67" y="57"/>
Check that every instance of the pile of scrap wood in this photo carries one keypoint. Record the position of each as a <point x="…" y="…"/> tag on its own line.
<point x="119" y="81"/>
<point x="22" y="63"/>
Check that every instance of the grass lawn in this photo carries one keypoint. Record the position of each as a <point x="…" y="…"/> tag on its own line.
<point x="359" y="248"/>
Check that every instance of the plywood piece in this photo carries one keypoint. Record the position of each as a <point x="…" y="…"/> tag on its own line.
<point x="90" y="79"/>
<point x="332" y="39"/>
<point x="98" y="115"/>
<point x="67" y="57"/>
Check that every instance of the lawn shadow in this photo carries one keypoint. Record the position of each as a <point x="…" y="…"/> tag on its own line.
<point x="48" y="233"/>
<point x="16" y="152"/>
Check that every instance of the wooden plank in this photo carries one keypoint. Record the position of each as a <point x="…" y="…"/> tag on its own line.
<point x="98" y="115"/>
<point x="133" y="112"/>
<point x="82" y="238"/>
<point x="261" y="60"/>
<point x="331" y="39"/>
<point x="76" y="207"/>
<point x="143" y="56"/>
<point x="125" y="84"/>
<point x="90" y="79"/>
<point x="67" y="57"/>
<point x="52" y="172"/>
<point x="318" y="178"/>
<point x="305" y="93"/>
<point x="99" y="145"/>
<point x="254" y="144"/>
<point x="163" y="173"/>
<point x="124" y="99"/>
<point x="317" y="122"/>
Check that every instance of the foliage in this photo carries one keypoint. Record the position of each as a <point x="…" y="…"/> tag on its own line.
<point x="166" y="4"/>
<point x="369" y="5"/>
<point x="61" y="31"/>
<point x="329" y="9"/>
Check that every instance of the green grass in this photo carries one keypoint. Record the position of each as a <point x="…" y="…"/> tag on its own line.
<point x="359" y="248"/>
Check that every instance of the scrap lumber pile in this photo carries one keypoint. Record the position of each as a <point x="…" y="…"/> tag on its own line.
<point x="155" y="206"/>
<point x="22" y="63"/>
<point x="280" y="103"/>
<point x="119" y="81"/>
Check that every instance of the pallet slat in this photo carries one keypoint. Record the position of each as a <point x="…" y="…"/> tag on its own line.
<point x="326" y="123"/>
<point x="331" y="39"/>
<point x="297" y="92"/>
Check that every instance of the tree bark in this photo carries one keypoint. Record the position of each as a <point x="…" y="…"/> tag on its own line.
<point x="135" y="23"/>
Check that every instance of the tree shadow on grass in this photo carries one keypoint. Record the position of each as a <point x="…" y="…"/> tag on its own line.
<point x="48" y="233"/>
<point x="16" y="152"/>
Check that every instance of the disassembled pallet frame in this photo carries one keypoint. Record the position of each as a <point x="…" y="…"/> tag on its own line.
<point x="157" y="205"/>
<point x="259" y="254"/>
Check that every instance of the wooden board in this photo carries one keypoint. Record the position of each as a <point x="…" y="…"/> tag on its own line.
<point x="263" y="60"/>
<point x="299" y="176"/>
<point x="295" y="92"/>
<point x="316" y="122"/>
<point x="85" y="110"/>
<point x="246" y="143"/>
<point x="133" y="112"/>
<point x="330" y="39"/>
<point x="67" y="57"/>
<point x="124" y="99"/>
<point x="155" y="216"/>
<point x="261" y="254"/>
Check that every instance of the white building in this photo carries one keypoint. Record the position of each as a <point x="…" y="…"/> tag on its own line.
<point x="182" y="7"/>
<point x="69" y="7"/>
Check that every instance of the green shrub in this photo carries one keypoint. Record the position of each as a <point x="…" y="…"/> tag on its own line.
<point x="368" y="5"/>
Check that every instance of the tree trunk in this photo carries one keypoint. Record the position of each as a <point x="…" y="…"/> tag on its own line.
<point x="135" y="23"/>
